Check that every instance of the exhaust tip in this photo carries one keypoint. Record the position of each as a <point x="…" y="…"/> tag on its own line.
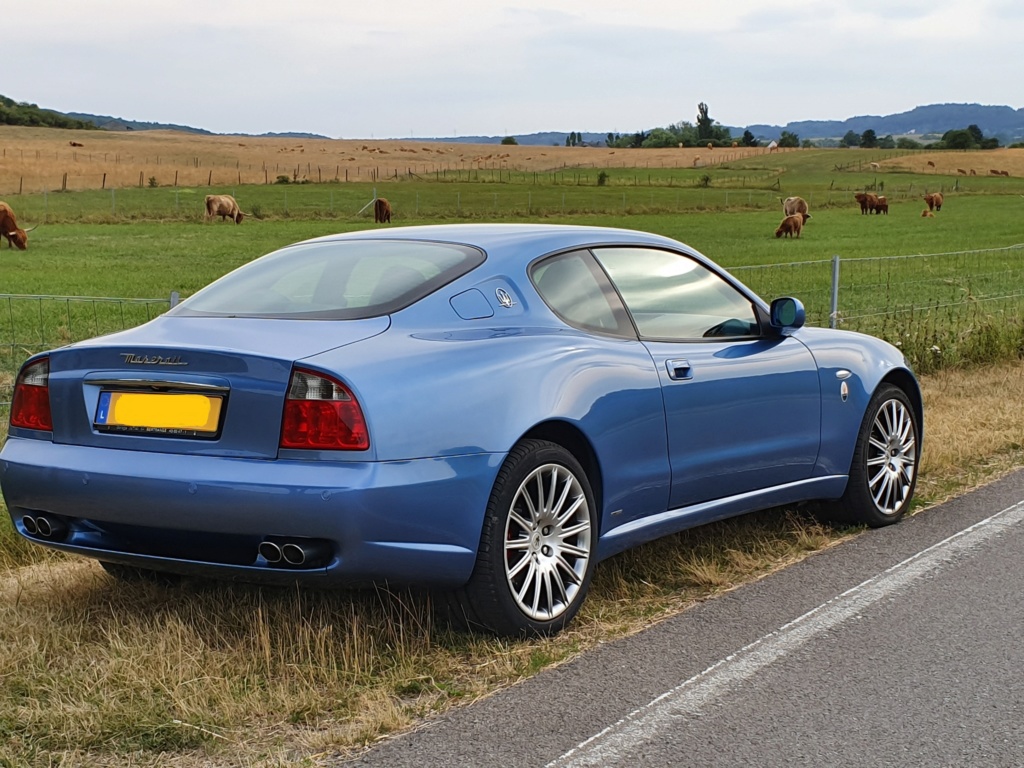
<point x="270" y="551"/>
<point x="45" y="527"/>
<point x="293" y="554"/>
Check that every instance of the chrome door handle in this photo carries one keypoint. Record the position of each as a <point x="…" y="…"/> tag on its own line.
<point x="679" y="370"/>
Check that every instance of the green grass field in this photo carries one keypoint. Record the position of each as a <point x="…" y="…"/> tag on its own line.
<point x="96" y="672"/>
<point x="146" y="243"/>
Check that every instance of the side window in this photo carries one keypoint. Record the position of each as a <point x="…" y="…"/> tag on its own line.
<point x="578" y="292"/>
<point x="672" y="296"/>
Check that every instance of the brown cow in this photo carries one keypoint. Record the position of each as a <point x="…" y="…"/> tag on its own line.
<point x="867" y="200"/>
<point x="994" y="172"/>
<point x="934" y="201"/>
<point x="381" y="211"/>
<point x="223" y="206"/>
<point x="926" y="214"/>
<point x="961" y="171"/>
<point x="882" y="206"/>
<point x="931" y="163"/>
<point x="1004" y="173"/>
<point x="792" y="225"/>
<point x="793" y="205"/>
<point x="9" y="228"/>
<point x="973" y="172"/>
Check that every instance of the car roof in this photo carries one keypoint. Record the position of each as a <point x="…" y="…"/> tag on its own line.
<point x="506" y="241"/>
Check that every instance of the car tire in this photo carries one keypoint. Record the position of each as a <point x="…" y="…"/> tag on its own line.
<point x="537" y="548"/>
<point x="883" y="473"/>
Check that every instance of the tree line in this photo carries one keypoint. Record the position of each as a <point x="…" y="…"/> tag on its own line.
<point x="23" y="113"/>
<point x="708" y="131"/>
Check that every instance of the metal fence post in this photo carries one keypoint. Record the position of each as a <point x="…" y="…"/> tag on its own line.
<point x="833" y="315"/>
<point x="175" y="297"/>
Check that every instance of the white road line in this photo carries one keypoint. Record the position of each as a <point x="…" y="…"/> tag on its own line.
<point x="618" y="742"/>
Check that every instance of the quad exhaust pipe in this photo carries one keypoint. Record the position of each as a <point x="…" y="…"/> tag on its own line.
<point x="45" y="527"/>
<point x="295" y="553"/>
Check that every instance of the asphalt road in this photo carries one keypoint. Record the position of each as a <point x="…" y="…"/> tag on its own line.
<point x="902" y="647"/>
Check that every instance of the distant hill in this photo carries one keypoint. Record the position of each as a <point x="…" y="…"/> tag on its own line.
<point x="1002" y="122"/>
<point x="543" y="139"/>
<point x="107" y="123"/>
<point x="1006" y="123"/>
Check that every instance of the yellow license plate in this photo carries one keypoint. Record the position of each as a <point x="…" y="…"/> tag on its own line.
<point x="189" y="413"/>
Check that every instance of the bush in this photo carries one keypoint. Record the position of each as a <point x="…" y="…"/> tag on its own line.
<point x="152" y="182"/>
<point x="509" y="140"/>
<point x="282" y="179"/>
<point x="602" y="178"/>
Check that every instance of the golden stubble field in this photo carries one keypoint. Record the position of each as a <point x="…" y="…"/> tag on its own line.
<point x="36" y="159"/>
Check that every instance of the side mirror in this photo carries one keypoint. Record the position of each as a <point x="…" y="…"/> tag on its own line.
<point x="787" y="314"/>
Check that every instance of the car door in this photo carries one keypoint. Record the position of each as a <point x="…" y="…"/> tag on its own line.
<point x="742" y="407"/>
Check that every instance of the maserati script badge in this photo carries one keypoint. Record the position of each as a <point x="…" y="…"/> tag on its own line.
<point x="132" y="359"/>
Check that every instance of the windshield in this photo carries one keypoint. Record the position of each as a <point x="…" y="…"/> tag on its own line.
<point x="341" y="280"/>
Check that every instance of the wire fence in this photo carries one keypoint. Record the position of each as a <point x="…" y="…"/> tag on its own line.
<point x="940" y="308"/>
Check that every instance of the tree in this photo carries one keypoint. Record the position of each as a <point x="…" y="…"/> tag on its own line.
<point x="850" y="139"/>
<point x="976" y="133"/>
<point x="704" y="131"/>
<point x="807" y="144"/>
<point x="509" y="140"/>
<point x="748" y="139"/>
<point x="958" y="139"/>
<point x="887" y="142"/>
<point x="904" y="143"/>
<point x="660" y="137"/>
<point x="868" y="139"/>
<point x="788" y="139"/>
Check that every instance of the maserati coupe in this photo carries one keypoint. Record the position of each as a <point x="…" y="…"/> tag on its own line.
<point x="487" y="410"/>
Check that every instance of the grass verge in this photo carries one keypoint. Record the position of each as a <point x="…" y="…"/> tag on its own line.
<point x="97" y="672"/>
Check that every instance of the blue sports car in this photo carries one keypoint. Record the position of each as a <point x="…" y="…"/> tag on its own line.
<point x="488" y="410"/>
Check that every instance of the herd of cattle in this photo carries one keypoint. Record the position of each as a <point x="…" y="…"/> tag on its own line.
<point x="224" y="206"/>
<point x="795" y="213"/>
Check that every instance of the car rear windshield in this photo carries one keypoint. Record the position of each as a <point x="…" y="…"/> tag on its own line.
<point x="339" y="280"/>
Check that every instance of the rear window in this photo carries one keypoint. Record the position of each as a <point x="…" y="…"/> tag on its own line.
<point x="346" y="280"/>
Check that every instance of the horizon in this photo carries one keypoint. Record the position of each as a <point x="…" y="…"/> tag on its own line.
<point x="514" y="67"/>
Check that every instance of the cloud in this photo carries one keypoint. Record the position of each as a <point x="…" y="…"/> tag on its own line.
<point x="507" y="66"/>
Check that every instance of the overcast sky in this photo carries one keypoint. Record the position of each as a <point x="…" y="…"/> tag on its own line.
<point x="431" y="68"/>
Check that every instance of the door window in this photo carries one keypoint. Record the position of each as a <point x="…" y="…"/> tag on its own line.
<point x="674" y="297"/>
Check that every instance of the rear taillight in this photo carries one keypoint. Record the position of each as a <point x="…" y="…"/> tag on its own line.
<point x="322" y="413"/>
<point x="30" y="408"/>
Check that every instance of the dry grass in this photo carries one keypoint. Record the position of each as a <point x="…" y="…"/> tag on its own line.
<point x="982" y="162"/>
<point x="100" y="673"/>
<point x="34" y="159"/>
<point x="974" y="427"/>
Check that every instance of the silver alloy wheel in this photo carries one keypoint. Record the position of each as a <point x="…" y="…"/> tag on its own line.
<point x="892" y="457"/>
<point x="547" y="542"/>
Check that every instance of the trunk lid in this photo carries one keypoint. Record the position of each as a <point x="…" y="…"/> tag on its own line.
<point x="140" y="389"/>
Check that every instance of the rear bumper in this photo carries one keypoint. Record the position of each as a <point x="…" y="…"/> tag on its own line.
<point x="416" y="521"/>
